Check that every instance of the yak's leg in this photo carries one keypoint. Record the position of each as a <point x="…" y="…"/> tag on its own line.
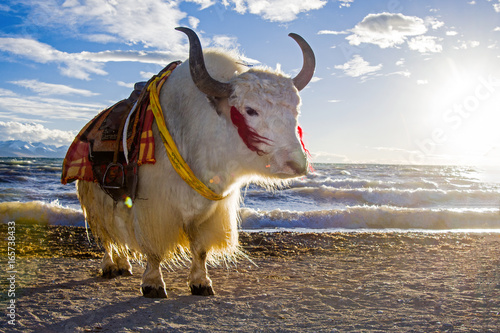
<point x="199" y="282"/>
<point x="108" y="266"/>
<point x="124" y="267"/>
<point x="114" y="265"/>
<point x="152" y="280"/>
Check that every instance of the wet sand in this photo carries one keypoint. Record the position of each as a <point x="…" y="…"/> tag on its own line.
<point x="314" y="282"/>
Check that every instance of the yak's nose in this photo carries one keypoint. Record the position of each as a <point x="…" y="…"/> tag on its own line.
<point x="298" y="163"/>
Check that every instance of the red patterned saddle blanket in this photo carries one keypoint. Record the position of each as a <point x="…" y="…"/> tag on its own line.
<point x="110" y="148"/>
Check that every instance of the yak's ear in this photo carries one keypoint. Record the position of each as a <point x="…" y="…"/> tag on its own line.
<point x="220" y="104"/>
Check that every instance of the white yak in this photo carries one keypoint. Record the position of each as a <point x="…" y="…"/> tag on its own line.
<point x="233" y="126"/>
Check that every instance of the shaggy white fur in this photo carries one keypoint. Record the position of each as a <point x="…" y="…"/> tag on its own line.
<point x="169" y="220"/>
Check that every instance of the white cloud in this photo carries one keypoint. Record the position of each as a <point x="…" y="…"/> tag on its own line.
<point x="474" y="43"/>
<point x="400" y="62"/>
<point x="332" y="32"/>
<point x="34" y="133"/>
<point x="225" y="42"/>
<point x="325" y="157"/>
<point x="425" y="44"/>
<point x="43" y="53"/>
<point x="125" y="84"/>
<point x="470" y="44"/>
<point x="203" y="3"/>
<point x="316" y="79"/>
<point x="357" y="66"/>
<point x="496" y="29"/>
<point x="345" y="3"/>
<point x="193" y="22"/>
<point x="5" y="8"/>
<point x="405" y="73"/>
<point x="433" y="22"/>
<point x="422" y="82"/>
<point x="81" y="65"/>
<point x="149" y="57"/>
<point x="147" y="75"/>
<point x="392" y="149"/>
<point x="70" y="3"/>
<point x="451" y="33"/>
<point x="150" y="23"/>
<point x="496" y="6"/>
<point x="101" y="38"/>
<point x="391" y="29"/>
<point x="386" y="29"/>
<point x="277" y="11"/>
<point x="6" y="93"/>
<point x="334" y="101"/>
<point x="46" y="107"/>
<point x="43" y="88"/>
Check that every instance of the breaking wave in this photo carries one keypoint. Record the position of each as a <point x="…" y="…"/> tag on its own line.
<point x="400" y="197"/>
<point x="38" y="212"/>
<point x="371" y="217"/>
<point x="334" y="196"/>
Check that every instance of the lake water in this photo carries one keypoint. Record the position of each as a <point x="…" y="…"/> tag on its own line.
<point x="333" y="197"/>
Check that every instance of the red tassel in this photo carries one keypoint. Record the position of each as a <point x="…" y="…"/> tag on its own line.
<point x="309" y="157"/>
<point x="301" y="135"/>
<point x="249" y="136"/>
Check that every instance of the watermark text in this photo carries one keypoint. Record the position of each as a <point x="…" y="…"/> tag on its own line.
<point x="11" y="273"/>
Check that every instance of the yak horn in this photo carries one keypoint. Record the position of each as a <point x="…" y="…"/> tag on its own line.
<point x="205" y="83"/>
<point x="306" y="73"/>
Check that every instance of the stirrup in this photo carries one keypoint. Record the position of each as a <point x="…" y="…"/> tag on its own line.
<point x="115" y="186"/>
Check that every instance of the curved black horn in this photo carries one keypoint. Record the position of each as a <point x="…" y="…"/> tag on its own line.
<point x="205" y="83"/>
<point x="306" y="73"/>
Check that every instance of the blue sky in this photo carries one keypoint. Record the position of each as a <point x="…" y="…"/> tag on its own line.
<point x="414" y="82"/>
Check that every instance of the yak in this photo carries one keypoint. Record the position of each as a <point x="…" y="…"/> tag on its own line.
<point x="233" y="124"/>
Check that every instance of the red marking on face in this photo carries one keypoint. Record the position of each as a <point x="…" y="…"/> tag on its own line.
<point x="249" y="136"/>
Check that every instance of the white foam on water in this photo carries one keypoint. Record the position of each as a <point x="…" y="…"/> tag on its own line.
<point x="373" y="217"/>
<point x="334" y="197"/>
<point x="39" y="212"/>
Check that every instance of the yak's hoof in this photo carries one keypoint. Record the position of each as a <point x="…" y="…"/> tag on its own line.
<point x="202" y="290"/>
<point x="124" y="272"/>
<point x="151" y="292"/>
<point x="112" y="273"/>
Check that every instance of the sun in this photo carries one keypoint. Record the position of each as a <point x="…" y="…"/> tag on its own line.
<point x="463" y="109"/>
<point x="475" y="129"/>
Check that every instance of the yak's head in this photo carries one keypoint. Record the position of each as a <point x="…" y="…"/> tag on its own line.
<point x="263" y="106"/>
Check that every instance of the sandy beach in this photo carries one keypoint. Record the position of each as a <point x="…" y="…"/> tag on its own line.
<point x="314" y="282"/>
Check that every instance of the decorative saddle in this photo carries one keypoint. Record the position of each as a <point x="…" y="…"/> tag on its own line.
<point x="110" y="148"/>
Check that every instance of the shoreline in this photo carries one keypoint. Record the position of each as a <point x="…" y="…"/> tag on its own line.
<point x="34" y="240"/>
<point x="322" y="282"/>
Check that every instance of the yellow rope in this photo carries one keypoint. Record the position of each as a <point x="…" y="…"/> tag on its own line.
<point x="173" y="154"/>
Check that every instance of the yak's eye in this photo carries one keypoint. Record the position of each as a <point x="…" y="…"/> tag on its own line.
<point x="251" y="112"/>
